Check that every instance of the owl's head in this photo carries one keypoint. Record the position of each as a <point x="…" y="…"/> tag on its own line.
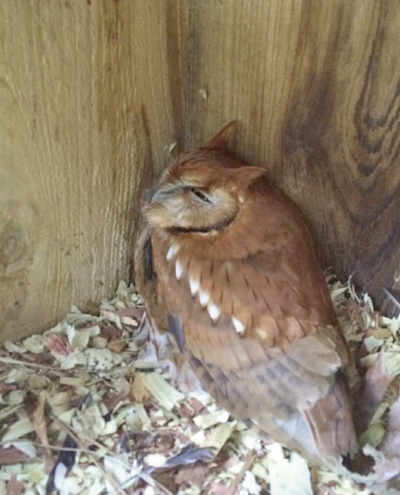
<point x="203" y="191"/>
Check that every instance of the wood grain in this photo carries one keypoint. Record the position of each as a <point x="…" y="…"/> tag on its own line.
<point x="90" y="99"/>
<point x="316" y="89"/>
<point x="92" y="93"/>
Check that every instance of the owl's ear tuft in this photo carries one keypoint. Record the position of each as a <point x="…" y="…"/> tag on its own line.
<point x="223" y="138"/>
<point x="246" y="175"/>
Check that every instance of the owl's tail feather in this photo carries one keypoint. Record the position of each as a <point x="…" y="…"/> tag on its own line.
<point x="332" y="426"/>
<point x="325" y="433"/>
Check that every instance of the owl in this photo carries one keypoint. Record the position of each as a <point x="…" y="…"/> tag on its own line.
<point x="227" y="267"/>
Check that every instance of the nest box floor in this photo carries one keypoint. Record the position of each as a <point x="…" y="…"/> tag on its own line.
<point x="86" y="408"/>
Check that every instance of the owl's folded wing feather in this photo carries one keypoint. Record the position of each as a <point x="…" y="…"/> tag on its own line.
<point x="263" y="339"/>
<point x="146" y="281"/>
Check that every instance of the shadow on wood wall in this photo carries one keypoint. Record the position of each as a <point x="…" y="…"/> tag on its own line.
<point x="93" y="94"/>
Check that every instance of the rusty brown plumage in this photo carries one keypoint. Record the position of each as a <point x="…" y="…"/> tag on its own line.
<point x="235" y="278"/>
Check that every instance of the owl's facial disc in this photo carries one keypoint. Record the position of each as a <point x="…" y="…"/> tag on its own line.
<point x="191" y="207"/>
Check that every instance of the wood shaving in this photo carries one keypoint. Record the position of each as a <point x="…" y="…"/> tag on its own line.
<point x="83" y="392"/>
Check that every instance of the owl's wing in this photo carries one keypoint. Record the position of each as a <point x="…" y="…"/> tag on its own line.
<point x="261" y="334"/>
<point x="146" y="280"/>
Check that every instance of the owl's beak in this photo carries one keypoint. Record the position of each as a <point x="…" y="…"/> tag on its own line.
<point x="147" y="195"/>
<point x="165" y="192"/>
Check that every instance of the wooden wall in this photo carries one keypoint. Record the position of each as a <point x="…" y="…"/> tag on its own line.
<point x="92" y="93"/>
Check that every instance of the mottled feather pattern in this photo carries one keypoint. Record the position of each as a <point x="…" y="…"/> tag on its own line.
<point x="236" y="277"/>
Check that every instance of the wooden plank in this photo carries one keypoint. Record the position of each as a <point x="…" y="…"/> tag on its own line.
<point x="91" y="95"/>
<point x="315" y="86"/>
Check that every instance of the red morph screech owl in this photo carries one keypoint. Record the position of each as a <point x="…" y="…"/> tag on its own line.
<point x="227" y="266"/>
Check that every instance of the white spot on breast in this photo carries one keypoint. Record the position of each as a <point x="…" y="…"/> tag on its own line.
<point x="239" y="327"/>
<point x="172" y="251"/>
<point x="194" y="286"/>
<point x="178" y="270"/>
<point x="213" y="311"/>
<point x="264" y="335"/>
<point x="261" y="333"/>
<point x="204" y="297"/>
